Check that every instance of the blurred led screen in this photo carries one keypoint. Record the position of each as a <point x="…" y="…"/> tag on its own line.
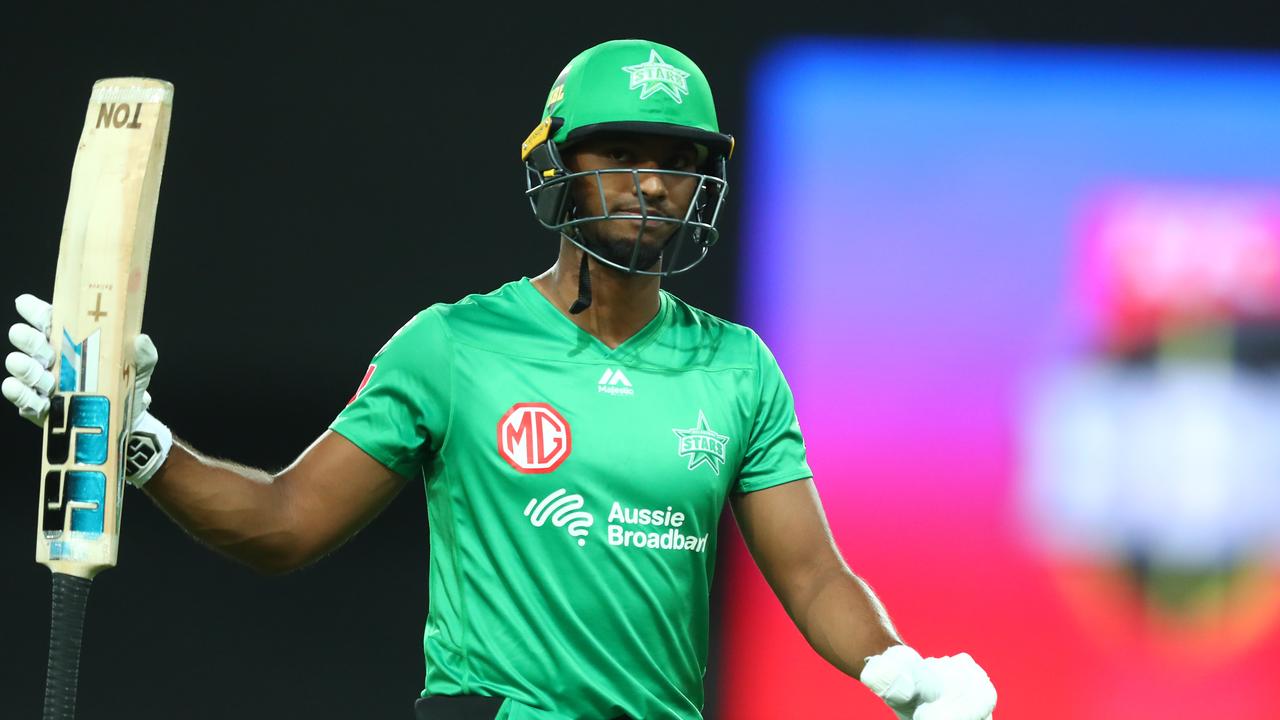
<point x="1028" y="300"/>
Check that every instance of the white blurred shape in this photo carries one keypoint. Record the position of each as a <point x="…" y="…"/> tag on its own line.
<point x="1177" y="461"/>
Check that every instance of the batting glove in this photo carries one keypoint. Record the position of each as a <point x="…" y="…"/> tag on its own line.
<point x="916" y="688"/>
<point x="30" y="383"/>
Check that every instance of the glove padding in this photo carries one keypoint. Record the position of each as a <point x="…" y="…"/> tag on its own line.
<point x="916" y="688"/>
<point x="30" y="380"/>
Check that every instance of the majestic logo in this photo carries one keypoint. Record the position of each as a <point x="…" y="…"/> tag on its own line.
<point x="613" y="382"/>
<point x="656" y="75"/>
<point x="702" y="445"/>
<point x="534" y="437"/>
<point x="561" y="509"/>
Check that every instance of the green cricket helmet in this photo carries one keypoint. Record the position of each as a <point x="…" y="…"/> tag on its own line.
<point x="630" y="86"/>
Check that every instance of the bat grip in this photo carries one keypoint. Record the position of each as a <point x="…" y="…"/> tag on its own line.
<point x="66" y="627"/>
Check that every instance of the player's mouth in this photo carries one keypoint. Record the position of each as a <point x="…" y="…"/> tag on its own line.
<point x="634" y="213"/>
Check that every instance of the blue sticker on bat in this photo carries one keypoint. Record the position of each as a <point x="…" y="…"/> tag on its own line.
<point x="89" y="488"/>
<point x="69" y="372"/>
<point x="90" y="412"/>
<point x="78" y="433"/>
<point x="78" y="369"/>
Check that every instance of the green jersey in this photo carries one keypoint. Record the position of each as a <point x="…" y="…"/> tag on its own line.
<point x="573" y="493"/>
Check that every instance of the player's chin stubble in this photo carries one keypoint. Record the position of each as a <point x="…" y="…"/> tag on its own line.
<point x="618" y="246"/>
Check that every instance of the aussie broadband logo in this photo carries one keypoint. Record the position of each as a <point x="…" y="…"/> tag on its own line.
<point x="630" y="527"/>
<point x="562" y="510"/>
<point x="534" y="437"/>
<point x="651" y="528"/>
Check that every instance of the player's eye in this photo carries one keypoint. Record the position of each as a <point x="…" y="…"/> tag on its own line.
<point x="618" y="154"/>
<point x="684" y="161"/>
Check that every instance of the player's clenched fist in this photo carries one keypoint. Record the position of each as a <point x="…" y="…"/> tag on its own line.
<point x="31" y="379"/>
<point x="946" y="688"/>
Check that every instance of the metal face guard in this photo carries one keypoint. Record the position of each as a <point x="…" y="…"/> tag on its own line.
<point x="547" y="187"/>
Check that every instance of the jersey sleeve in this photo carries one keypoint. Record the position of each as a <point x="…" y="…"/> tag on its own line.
<point x="775" y="452"/>
<point x="400" y="412"/>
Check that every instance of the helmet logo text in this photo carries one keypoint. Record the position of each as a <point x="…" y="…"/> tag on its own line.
<point x="656" y="75"/>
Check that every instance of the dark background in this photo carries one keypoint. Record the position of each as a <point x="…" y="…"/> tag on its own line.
<point x="332" y="169"/>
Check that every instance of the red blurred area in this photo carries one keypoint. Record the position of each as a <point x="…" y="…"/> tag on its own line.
<point x="1061" y="640"/>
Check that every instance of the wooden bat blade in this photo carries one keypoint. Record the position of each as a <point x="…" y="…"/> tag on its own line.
<point x="98" y="295"/>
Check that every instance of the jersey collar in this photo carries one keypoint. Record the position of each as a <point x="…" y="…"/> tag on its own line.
<point x="549" y="315"/>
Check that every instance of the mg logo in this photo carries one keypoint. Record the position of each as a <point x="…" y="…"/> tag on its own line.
<point x="534" y="438"/>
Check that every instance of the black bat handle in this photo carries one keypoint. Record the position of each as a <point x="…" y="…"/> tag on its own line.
<point x="66" y="627"/>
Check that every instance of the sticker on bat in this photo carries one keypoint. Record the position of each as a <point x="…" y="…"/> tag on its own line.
<point x="77" y="435"/>
<point x="78" y="370"/>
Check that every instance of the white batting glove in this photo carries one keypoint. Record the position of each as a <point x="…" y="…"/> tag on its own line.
<point x="30" y="383"/>
<point x="916" y="688"/>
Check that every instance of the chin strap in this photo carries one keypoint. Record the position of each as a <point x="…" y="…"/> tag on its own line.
<point x="584" y="288"/>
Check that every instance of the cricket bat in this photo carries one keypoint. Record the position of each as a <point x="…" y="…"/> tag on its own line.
<point x="97" y="312"/>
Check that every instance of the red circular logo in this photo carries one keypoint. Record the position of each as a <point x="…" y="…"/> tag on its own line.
<point x="534" y="437"/>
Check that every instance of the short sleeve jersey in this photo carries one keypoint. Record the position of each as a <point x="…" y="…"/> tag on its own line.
<point x="573" y="493"/>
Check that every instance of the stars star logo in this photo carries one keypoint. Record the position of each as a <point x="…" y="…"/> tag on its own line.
<point x="702" y="445"/>
<point x="656" y="75"/>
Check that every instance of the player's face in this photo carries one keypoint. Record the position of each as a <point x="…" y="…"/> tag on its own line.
<point x="665" y="195"/>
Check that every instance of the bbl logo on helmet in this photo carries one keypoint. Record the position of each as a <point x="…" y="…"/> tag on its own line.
<point x="534" y="437"/>
<point x="657" y="75"/>
<point x="557" y="89"/>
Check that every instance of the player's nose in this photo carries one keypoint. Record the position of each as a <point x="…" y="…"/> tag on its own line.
<point x="652" y="184"/>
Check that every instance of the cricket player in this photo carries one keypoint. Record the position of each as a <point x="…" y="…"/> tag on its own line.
<point x="578" y="434"/>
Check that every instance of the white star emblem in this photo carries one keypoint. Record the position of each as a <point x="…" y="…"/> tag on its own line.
<point x="657" y="75"/>
<point x="702" y="445"/>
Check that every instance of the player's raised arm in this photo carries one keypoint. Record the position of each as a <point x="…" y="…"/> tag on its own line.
<point x="273" y="522"/>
